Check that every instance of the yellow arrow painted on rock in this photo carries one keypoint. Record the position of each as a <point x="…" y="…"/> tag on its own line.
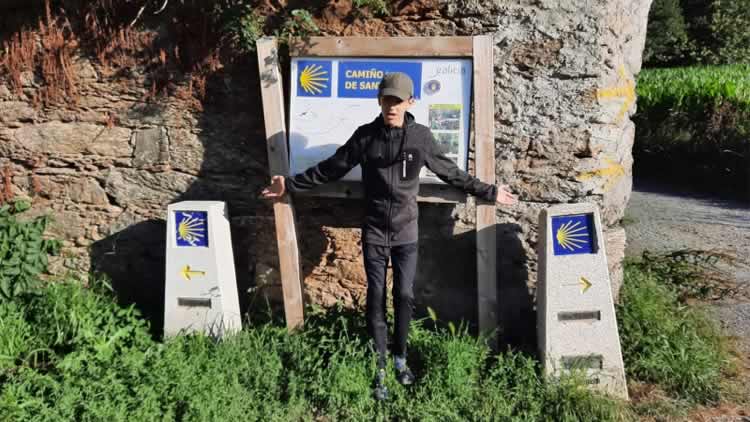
<point x="626" y="91"/>
<point x="613" y="172"/>
<point x="187" y="272"/>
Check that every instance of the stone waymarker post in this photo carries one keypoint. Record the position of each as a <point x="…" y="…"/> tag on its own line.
<point x="576" y="321"/>
<point x="201" y="287"/>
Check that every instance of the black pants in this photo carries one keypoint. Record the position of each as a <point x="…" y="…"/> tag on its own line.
<point x="404" y="260"/>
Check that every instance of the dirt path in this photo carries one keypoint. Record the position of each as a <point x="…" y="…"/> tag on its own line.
<point x="663" y="218"/>
<point x="660" y="218"/>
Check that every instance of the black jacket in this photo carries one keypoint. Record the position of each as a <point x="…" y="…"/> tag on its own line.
<point x="391" y="159"/>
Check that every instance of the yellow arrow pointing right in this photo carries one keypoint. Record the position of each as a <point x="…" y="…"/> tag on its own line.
<point x="585" y="284"/>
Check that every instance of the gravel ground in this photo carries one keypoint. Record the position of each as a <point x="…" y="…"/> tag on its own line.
<point x="664" y="218"/>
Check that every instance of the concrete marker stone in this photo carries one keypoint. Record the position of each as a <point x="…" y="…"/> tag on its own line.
<point x="576" y="321"/>
<point x="201" y="286"/>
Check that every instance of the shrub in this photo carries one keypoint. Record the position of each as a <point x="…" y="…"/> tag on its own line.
<point x="688" y="32"/>
<point x="719" y="30"/>
<point x="667" y="37"/>
<point x="667" y="343"/>
<point x="23" y="250"/>
<point x="377" y="7"/>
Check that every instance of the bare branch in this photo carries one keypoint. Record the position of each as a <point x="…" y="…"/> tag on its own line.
<point x="161" y="9"/>
<point x="140" y="12"/>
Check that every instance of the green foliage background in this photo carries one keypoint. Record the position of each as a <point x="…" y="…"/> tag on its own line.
<point x="23" y="250"/>
<point x="685" y="32"/>
<point x="693" y="127"/>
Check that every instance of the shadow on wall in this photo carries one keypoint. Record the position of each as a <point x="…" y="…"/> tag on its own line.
<point x="130" y="259"/>
<point x="447" y="282"/>
<point x="222" y="158"/>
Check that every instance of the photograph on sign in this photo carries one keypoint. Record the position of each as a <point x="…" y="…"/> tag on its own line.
<point x="448" y="142"/>
<point x="331" y="98"/>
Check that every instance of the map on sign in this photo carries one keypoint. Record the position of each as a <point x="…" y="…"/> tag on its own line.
<point x="332" y="97"/>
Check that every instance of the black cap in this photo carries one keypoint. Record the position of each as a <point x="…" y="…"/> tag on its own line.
<point x="397" y="84"/>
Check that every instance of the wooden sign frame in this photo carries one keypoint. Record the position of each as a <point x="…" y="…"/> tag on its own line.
<point x="479" y="48"/>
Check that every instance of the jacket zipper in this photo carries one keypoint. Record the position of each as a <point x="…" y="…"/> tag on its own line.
<point x="390" y="187"/>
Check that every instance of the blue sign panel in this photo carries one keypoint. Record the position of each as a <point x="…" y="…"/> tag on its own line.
<point x="361" y="79"/>
<point x="191" y="228"/>
<point x="313" y="78"/>
<point x="573" y="234"/>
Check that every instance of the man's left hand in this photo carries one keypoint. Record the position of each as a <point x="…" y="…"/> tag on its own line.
<point x="504" y="197"/>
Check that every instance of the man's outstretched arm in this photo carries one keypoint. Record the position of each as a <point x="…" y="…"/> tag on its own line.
<point x="332" y="168"/>
<point x="449" y="172"/>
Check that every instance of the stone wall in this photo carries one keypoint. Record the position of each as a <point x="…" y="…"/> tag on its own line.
<point x="107" y="167"/>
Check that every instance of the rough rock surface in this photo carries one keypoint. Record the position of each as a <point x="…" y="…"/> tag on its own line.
<point x="107" y="167"/>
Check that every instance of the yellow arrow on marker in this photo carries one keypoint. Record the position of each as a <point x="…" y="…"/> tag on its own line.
<point x="585" y="284"/>
<point x="187" y="272"/>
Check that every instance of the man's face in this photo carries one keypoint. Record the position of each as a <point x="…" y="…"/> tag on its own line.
<point x="394" y="109"/>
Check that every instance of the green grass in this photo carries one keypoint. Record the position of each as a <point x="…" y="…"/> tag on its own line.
<point x="667" y="343"/>
<point x="69" y="353"/>
<point x="693" y="127"/>
<point x="694" y="87"/>
<point x="72" y="353"/>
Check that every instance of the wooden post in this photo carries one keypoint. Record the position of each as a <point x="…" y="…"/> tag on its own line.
<point x="484" y="131"/>
<point x="278" y="164"/>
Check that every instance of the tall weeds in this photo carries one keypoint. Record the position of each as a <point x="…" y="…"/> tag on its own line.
<point x="48" y="54"/>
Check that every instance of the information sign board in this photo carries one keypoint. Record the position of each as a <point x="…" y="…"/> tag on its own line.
<point x="331" y="97"/>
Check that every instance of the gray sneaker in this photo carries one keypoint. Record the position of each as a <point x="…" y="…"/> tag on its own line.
<point x="404" y="376"/>
<point x="380" y="390"/>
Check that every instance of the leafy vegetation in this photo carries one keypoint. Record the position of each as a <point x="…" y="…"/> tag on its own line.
<point x="98" y="362"/>
<point x="23" y="250"/>
<point x="688" y="32"/>
<point x="665" y="342"/>
<point x="667" y="36"/>
<point x="693" y="126"/>
<point x="72" y="353"/>
<point x="695" y="88"/>
<point x="178" y="49"/>
<point x="377" y="7"/>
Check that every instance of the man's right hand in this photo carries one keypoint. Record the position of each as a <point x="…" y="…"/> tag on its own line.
<point x="276" y="189"/>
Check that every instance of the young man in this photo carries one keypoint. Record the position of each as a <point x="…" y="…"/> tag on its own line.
<point x="391" y="151"/>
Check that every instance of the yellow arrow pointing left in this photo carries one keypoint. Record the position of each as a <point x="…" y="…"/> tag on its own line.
<point x="187" y="273"/>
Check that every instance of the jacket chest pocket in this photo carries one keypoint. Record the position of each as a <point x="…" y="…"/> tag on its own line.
<point x="375" y="154"/>
<point x="410" y="163"/>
